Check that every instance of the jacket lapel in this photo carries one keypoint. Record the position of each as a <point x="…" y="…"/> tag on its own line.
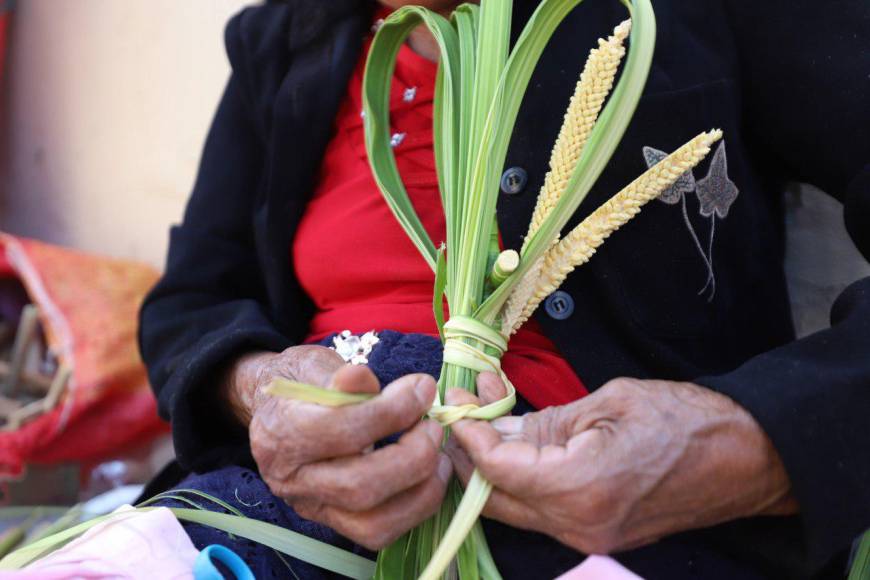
<point x="324" y="42"/>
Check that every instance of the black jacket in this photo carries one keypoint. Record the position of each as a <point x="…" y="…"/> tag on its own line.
<point x="788" y="84"/>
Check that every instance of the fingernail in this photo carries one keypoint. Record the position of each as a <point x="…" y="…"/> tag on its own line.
<point x="423" y="390"/>
<point x="451" y="396"/>
<point x="434" y="431"/>
<point x="508" y="425"/>
<point x="445" y="468"/>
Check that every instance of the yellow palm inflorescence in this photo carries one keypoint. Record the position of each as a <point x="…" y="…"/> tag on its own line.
<point x="580" y="244"/>
<point x="592" y="89"/>
<point x="515" y="307"/>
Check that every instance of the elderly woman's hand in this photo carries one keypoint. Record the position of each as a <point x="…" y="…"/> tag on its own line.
<point x="321" y="461"/>
<point x="633" y="462"/>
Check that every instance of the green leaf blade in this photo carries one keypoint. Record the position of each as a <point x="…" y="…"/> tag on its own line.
<point x="438" y="293"/>
<point x="377" y="81"/>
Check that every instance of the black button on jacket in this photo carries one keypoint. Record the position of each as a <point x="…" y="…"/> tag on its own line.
<point x="788" y="84"/>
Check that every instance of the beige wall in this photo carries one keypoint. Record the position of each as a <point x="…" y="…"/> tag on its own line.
<point x="108" y="106"/>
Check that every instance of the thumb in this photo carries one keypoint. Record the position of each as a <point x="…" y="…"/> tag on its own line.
<point x="490" y="388"/>
<point x="456" y="396"/>
<point x="355" y="379"/>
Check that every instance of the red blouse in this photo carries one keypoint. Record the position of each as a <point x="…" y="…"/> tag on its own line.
<point x="357" y="264"/>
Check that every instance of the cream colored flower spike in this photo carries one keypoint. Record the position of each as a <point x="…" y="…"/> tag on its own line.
<point x="592" y="89"/>
<point x="577" y="247"/>
<point x="515" y="306"/>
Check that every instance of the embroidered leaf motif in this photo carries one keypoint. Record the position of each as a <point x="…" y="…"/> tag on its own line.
<point x="684" y="184"/>
<point x="717" y="192"/>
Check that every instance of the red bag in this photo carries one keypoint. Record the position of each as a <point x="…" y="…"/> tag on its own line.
<point x="89" y="307"/>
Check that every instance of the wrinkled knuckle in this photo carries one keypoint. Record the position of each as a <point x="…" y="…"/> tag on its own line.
<point x="362" y="497"/>
<point x="291" y="491"/>
<point x="261" y="437"/>
<point x="324" y="356"/>
<point x="269" y="465"/>
<point x="538" y="425"/>
<point x="343" y="439"/>
<point x="354" y="487"/>
<point x="307" y="510"/>
<point x="344" y="485"/>
<point x="545" y="415"/>
<point x="266" y="372"/>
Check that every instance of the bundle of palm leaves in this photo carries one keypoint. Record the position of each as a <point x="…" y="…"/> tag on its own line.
<point x="490" y="293"/>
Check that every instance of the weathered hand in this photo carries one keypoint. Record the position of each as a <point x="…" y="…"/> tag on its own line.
<point x="633" y="462"/>
<point x="244" y="383"/>
<point x="321" y="461"/>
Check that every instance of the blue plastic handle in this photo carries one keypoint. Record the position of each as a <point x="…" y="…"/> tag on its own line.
<point x="204" y="568"/>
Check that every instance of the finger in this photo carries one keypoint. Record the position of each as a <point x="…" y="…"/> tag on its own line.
<point x="501" y="505"/>
<point x="490" y="388"/>
<point x="362" y="482"/>
<point x="510" y="465"/>
<point x="510" y="510"/>
<point x="459" y="397"/>
<point x="355" y="379"/>
<point x="477" y="437"/>
<point x="462" y="465"/>
<point x="378" y="527"/>
<point x="401" y="404"/>
<point x="351" y="429"/>
<point x="511" y="428"/>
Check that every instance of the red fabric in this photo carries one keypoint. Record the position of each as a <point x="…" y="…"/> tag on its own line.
<point x="356" y="262"/>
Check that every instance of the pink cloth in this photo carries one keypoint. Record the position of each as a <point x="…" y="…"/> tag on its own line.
<point x="130" y="546"/>
<point x="599" y="568"/>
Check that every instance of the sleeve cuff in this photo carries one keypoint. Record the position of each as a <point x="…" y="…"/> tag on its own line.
<point x="812" y="399"/>
<point x="204" y="433"/>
